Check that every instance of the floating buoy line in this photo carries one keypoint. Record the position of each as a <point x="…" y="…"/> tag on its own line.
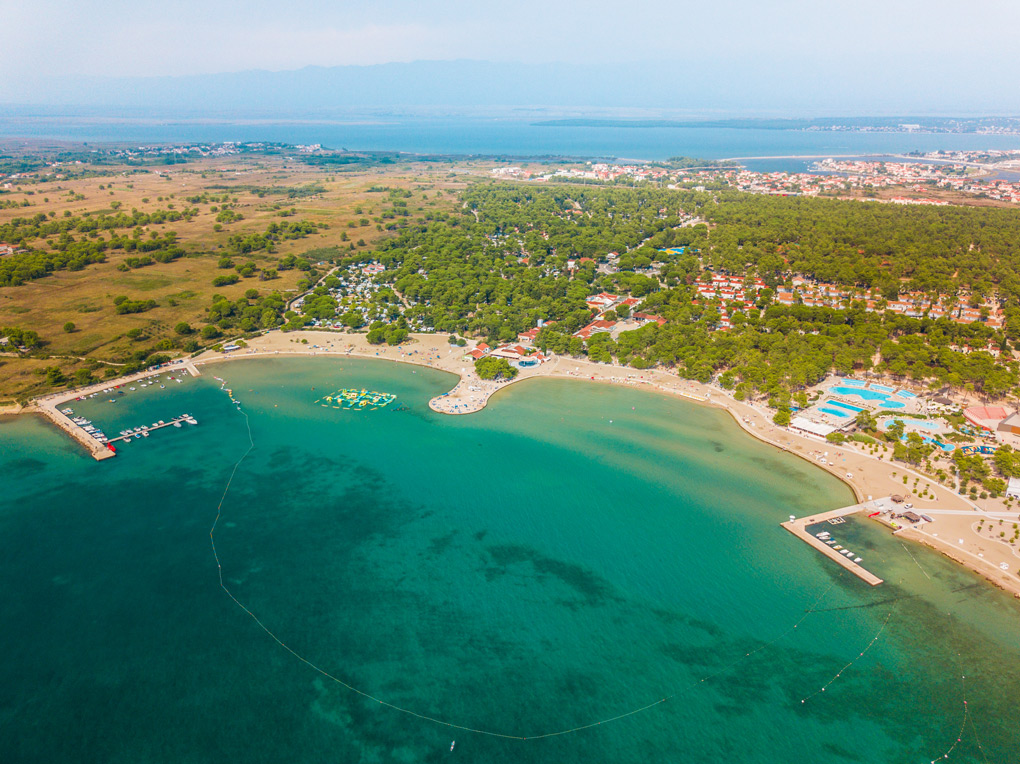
<point x="509" y="735"/>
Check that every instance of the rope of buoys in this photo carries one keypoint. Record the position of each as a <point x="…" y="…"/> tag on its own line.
<point x="967" y="717"/>
<point x="463" y="727"/>
<point x="860" y="655"/>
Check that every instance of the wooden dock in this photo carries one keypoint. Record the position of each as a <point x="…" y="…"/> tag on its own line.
<point x="798" y="527"/>
<point x="183" y="419"/>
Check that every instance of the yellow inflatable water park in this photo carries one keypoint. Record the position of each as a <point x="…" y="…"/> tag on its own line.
<point x="357" y="400"/>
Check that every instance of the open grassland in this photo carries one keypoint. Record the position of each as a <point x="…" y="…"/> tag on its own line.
<point x="231" y="198"/>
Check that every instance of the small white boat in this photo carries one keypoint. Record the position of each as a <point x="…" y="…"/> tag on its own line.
<point x="453" y="744"/>
<point x="177" y="424"/>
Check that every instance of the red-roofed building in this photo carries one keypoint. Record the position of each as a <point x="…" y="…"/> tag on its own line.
<point x="594" y="328"/>
<point x="985" y="417"/>
<point x="650" y="317"/>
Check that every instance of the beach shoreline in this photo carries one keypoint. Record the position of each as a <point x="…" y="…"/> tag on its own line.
<point x="866" y="476"/>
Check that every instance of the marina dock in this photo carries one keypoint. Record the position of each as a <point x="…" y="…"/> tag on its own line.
<point x="799" y="528"/>
<point x="141" y="432"/>
<point x="50" y="405"/>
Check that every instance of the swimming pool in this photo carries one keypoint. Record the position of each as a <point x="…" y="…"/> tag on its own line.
<point x="834" y="412"/>
<point x="906" y="394"/>
<point x="883" y="388"/>
<point x="868" y="395"/>
<point x="847" y="406"/>
<point x="853" y="383"/>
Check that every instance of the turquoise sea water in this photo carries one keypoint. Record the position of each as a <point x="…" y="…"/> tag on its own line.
<point x="570" y="554"/>
<point x="504" y="136"/>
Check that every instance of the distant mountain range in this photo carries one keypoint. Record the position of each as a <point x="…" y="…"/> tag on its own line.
<point x="681" y="89"/>
<point x="466" y="84"/>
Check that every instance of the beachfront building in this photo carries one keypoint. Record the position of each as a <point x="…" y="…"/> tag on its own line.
<point x="986" y="418"/>
<point x="1010" y="425"/>
<point x="812" y="426"/>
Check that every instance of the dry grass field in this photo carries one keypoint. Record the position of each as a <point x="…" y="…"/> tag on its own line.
<point x="261" y="189"/>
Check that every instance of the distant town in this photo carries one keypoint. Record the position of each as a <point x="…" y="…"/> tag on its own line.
<point x="962" y="172"/>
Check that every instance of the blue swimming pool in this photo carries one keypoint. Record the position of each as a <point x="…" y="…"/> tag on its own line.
<point x="868" y="395"/>
<point x="833" y="412"/>
<point x="883" y="388"/>
<point x="932" y="441"/>
<point x="906" y="394"/>
<point x="845" y="406"/>
<point x="853" y="383"/>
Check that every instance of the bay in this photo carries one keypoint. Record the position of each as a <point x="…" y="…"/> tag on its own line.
<point x="571" y="554"/>
<point x="498" y="136"/>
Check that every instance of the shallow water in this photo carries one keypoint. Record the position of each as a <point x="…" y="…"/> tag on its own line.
<point x="570" y="554"/>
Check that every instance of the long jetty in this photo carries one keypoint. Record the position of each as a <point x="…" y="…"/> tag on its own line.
<point x="798" y="527"/>
<point x="49" y="406"/>
<point x="137" y="432"/>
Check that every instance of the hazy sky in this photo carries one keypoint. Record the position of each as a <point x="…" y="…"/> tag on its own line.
<point x="114" y="37"/>
<point x="855" y="45"/>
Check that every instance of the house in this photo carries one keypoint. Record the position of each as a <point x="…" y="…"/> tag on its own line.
<point x="646" y="317"/>
<point x="601" y="301"/>
<point x="514" y="353"/>
<point x="595" y="327"/>
<point x="528" y="336"/>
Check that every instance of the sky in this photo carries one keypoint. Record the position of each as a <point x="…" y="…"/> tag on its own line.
<point x="961" y="53"/>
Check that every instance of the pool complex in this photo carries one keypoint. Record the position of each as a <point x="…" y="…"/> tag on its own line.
<point x="868" y="395"/>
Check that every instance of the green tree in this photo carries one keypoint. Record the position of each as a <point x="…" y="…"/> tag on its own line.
<point x="494" y="368"/>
